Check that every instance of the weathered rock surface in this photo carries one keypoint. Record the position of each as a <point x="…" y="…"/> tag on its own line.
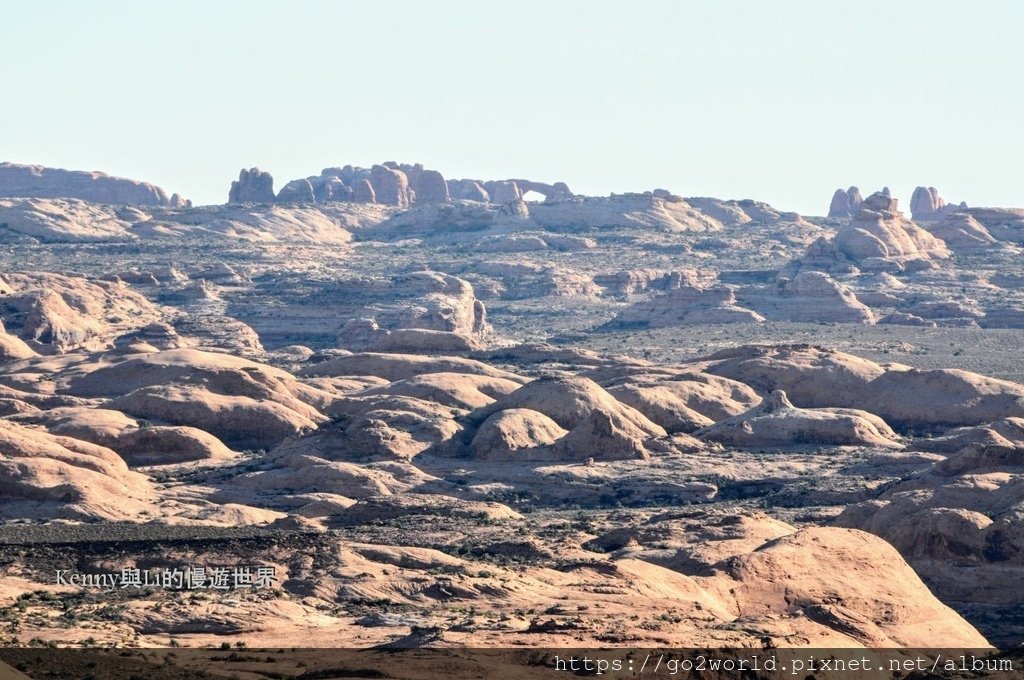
<point x="775" y="422"/>
<point x="845" y="203"/>
<point x="688" y="305"/>
<point x="810" y="296"/>
<point x="37" y="181"/>
<point x="253" y="186"/>
<point x="45" y="476"/>
<point x="903" y="396"/>
<point x="53" y="313"/>
<point x="596" y="424"/>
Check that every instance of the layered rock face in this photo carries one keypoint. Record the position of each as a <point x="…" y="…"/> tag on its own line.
<point x="810" y="296"/>
<point x="253" y="186"/>
<point x="401" y="185"/>
<point x="37" y="181"/>
<point x="925" y="202"/>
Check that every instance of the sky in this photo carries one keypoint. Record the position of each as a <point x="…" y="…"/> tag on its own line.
<point x="780" y="101"/>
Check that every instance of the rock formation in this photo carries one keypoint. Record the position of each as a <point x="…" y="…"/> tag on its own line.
<point x="809" y="296"/>
<point x="845" y="203"/>
<point x="775" y="422"/>
<point x="253" y="186"/>
<point x="878" y="238"/>
<point x="962" y="233"/>
<point x="36" y="181"/>
<point x="687" y="305"/>
<point x="927" y="205"/>
<point x="390" y="187"/>
<point x="296" y="191"/>
<point x="903" y="396"/>
<point x="430" y="187"/>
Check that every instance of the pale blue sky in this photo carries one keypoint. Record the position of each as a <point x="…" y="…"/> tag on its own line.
<point x="781" y="101"/>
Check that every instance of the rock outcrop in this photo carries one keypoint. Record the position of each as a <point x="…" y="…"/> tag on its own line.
<point x="54" y="313"/>
<point x="811" y="296"/>
<point x="845" y="203"/>
<point x="296" y="191"/>
<point x="390" y="186"/>
<point x="253" y="186"/>
<point x="588" y="422"/>
<point x="37" y="181"/>
<point x="687" y="305"/>
<point x="43" y="476"/>
<point x="775" y="422"/>
<point x="905" y="397"/>
<point x="431" y="188"/>
<point x="962" y="233"/>
<point x="926" y="205"/>
<point x="878" y="238"/>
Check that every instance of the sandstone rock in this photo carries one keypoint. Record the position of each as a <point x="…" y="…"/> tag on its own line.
<point x="296" y="191"/>
<point x="53" y="313"/>
<point x="469" y="190"/>
<point x="430" y="187"/>
<point x="879" y="230"/>
<point x="503" y="192"/>
<point x="794" y="572"/>
<point x="809" y="297"/>
<point x="390" y="187"/>
<point x="777" y="423"/>
<point x="422" y="341"/>
<point x="963" y="233"/>
<point x="13" y="348"/>
<point x="662" y="406"/>
<point x="926" y="203"/>
<point x="597" y="425"/>
<point x="903" y="396"/>
<point x="253" y="186"/>
<point x="242" y="422"/>
<point x="36" y="181"/>
<point x="506" y="433"/>
<point x="362" y="192"/>
<point x="400" y="366"/>
<point x="61" y="220"/>
<point x="49" y="477"/>
<point x="845" y="203"/>
<point x="138" y="443"/>
<point x="454" y="390"/>
<point x="630" y="281"/>
<point x="1004" y="224"/>
<point x="688" y="305"/>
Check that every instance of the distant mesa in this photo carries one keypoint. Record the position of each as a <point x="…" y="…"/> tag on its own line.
<point x="37" y="181"/>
